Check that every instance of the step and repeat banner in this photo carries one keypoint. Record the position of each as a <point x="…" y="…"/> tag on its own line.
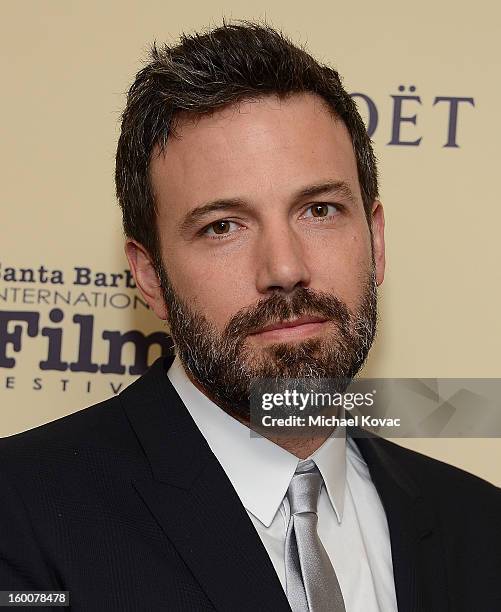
<point x="73" y="328"/>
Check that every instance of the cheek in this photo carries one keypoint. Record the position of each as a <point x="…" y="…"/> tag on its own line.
<point x="341" y="264"/>
<point x="214" y="287"/>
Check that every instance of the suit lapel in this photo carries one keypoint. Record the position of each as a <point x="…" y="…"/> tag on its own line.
<point x="194" y="502"/>
<point x="416" y="545"/>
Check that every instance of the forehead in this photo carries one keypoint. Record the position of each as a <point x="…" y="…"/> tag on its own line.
<point x="253" y="149"/>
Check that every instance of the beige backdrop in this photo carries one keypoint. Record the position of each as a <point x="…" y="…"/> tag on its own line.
<point x="65" y="68"/>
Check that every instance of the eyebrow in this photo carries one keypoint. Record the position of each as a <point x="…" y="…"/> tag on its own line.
<point x="194" y="216"/>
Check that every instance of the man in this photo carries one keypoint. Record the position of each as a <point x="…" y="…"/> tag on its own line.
<point x="249" y="193"/>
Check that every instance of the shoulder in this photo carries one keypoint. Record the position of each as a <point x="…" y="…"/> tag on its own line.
<point x="103" y="424"/>
<point x="87" y="459"/>
<point x="83" y="424"/>
<point x="452" y="488"/>
<point x="50" y="451"/>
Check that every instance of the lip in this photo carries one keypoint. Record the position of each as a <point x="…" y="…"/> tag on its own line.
<point x="294" y="323"/>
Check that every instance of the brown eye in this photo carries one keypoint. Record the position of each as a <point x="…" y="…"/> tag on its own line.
<point x="320" y="210"/>
<point x="220" y="227"/>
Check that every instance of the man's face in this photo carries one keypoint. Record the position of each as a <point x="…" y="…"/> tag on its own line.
<point x="261" y="221"/>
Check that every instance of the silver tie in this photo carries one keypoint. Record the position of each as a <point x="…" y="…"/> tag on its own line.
<point x="311" y="582"/>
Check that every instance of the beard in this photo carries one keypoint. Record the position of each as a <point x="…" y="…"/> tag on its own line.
<point x="225" y="365"/>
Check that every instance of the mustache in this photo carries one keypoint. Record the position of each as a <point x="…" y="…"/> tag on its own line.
<point x="303" y="302"/>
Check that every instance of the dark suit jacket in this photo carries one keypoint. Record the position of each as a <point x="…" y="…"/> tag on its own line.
<point x="124" y="505"/>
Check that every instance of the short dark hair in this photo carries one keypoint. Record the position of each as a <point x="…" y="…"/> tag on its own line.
<point x="207" y="71"/>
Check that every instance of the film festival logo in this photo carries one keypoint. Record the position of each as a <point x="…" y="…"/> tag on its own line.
<point x="38" y="303"/>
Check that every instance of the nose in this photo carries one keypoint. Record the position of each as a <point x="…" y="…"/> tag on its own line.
<point x="281" y="261"/>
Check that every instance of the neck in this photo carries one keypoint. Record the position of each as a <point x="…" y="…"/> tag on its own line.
<point x="300" y="446"/>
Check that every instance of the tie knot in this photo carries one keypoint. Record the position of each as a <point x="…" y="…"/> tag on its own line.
<point x="304" y="488"/>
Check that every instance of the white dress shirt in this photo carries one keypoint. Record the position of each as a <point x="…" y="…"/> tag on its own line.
<point x="351" y="520"/>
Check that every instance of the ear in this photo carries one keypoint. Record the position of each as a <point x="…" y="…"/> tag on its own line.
<point x="377" y="221"/>
<point x="147" y="281"/>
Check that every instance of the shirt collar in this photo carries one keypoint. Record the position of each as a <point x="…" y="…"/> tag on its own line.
<point x="259" y="470"/>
